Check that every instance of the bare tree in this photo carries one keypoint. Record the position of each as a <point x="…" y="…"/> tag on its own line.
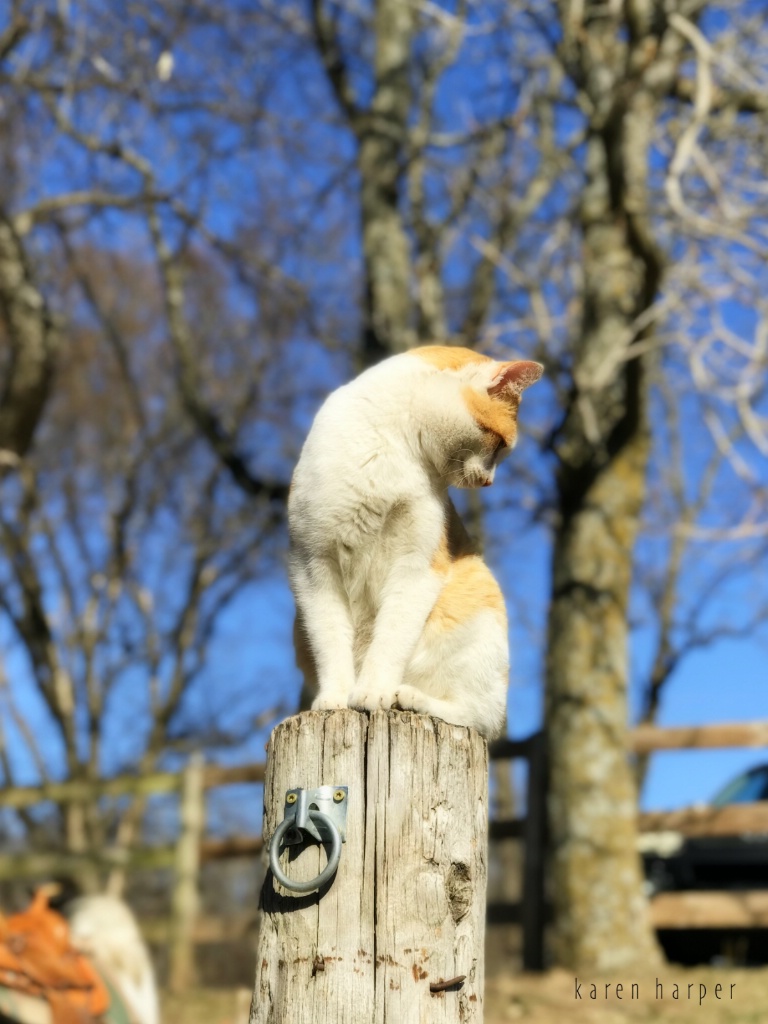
<point x="113" y="569"/>
<point x="128" y="522"/>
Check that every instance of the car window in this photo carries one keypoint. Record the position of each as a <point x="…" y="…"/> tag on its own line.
<point x="745" y="788"/>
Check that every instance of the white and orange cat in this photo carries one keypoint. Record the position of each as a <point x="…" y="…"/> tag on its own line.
<point x="393" y="608"/>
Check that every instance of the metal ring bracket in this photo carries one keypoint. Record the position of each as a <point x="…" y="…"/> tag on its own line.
<point x="320" y="814"/>
<point x="333" y="857"/>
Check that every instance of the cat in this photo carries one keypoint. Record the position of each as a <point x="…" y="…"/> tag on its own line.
<point x="393" y="607"/>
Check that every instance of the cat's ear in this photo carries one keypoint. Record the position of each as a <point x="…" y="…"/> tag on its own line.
<point x="514" y="378"/>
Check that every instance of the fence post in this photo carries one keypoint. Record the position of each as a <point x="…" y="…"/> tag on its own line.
<point x="185" y="896"/>
<point x="533" y="909"/>
<point x="406" y="909"/>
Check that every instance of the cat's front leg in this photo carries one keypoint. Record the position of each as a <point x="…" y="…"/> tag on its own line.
<point x="325" y="626"/>
<point x="410" y="592"/>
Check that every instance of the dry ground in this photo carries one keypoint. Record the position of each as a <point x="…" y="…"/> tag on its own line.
<point x="551" y="999"/>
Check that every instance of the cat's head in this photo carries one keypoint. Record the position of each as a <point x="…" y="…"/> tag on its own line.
<point x="483" y="428"/>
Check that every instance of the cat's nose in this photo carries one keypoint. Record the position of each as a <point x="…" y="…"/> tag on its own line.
<point x="487" y="482"/>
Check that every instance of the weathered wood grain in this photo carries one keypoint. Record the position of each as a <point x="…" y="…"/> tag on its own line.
<point x="407" y="906"/>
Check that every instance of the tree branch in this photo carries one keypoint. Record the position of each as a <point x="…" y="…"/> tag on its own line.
<point x="33" y="340"/>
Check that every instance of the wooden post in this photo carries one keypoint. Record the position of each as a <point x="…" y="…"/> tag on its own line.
<point x="406" y="909"/>
<point x="185" y="897"/>
<point x="533" y="902"/>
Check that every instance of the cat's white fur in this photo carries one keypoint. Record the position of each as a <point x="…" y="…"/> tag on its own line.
<point x="378" y="596"/>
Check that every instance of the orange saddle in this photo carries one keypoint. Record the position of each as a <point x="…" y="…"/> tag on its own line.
<point x="37" y="958"/>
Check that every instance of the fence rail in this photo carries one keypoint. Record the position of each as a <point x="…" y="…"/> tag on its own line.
<point x="145" y="858"/>
<point x="710" y="909"/>
<point x="731" y="820"/>
<point x="645" y="739"/>
<point x="87" y="790"/>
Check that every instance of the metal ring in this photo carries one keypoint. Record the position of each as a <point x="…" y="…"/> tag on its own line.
<point x="333" y="857"/>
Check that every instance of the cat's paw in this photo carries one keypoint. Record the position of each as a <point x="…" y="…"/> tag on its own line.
<point x="408" y="698"/>
<point x="369" y="699"/>
<point x="329" y="701"/>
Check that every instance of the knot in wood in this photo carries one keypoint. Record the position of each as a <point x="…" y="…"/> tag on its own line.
<point x="458" y="887"/>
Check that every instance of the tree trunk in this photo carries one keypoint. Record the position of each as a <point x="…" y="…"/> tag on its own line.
<point x="406" y="908"/>
<point x="602" y="450"/>
<point x="600" y="910"/>
<point x="25" y="316"/>
<point x="381" y="131"/>
<point x="382" y="135"/>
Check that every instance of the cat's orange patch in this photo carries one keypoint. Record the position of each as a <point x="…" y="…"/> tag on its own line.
<point x="469" y="584"/>
<point x="492" y="414"/>
<point x="448" y="357"/>
<point x="469" y="589"/>
<point x="441" y="560"/>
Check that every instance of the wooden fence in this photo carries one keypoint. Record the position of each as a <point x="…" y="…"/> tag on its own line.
<point x="694" y="909"/>
<point x="707" y="909"/>
<point x="184" y="856"/>
<point x="192" y="848"/>
<point x="33" y="865"/>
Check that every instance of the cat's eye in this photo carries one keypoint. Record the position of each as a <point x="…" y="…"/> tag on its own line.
<point x="499" y="442"/>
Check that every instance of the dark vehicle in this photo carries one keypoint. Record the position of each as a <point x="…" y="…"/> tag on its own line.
<point x="728" y="862"/>
<point x="714" y="862"/>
